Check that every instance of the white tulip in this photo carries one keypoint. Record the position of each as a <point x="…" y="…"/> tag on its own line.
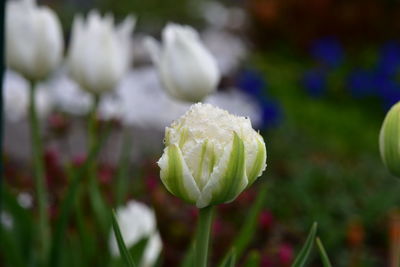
<point x="186" y="68"/>
<point x="34" y="41"/>
<point x="137" y="222"/>
<point x="99" y="53"/>
<point x="16" y="97"/>
<point x="211" y="156"/>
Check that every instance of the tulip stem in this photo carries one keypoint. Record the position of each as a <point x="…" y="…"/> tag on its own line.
<point x="39" y="174"/>
<point x="94" y="190"/>
<point x="203" y="236"/>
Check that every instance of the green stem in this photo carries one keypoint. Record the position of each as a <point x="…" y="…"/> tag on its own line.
<point x="94" y="191"/>
<point x="203" y="236"/>
<point x="92" y="126"/>
<point x="39" y="174"/>
<point x="123" y="169"/>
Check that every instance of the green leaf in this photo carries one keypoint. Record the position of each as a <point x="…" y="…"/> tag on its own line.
<point x="322" y="252"/>
<point x="253" y="260"/>
<point x="138" y="249"/>
<point x="67" y="204"/>
<point x="22" y="223"/>
<point x="10" y="253"/>
<point x="230" y="261"/>
<point x="305" y="251"/>
<point x="125" y="255"/>
<point x="249" y="228"/>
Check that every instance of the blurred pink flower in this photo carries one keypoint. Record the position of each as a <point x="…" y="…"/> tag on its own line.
<point x="285" y="254"/>
<point x="265" y="219"/>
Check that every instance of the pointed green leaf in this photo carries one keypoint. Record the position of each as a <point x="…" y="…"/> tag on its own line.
<point x="305" y="251"/>
<point x="322" y="252"/>
<point x="125" y="255"/>
<point x="230" y="261"/>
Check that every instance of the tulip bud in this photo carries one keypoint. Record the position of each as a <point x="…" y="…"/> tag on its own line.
<point x="186" y="68"/>
<point x="211" y="156"/>
<point x="34" y="41"/>
<point x="99" y="54"/>
<point x="389" y="140"/>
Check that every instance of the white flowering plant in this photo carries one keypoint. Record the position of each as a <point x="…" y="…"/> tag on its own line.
<point x="210" y="158"/>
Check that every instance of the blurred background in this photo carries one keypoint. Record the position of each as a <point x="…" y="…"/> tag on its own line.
<point x="315" y="76"/>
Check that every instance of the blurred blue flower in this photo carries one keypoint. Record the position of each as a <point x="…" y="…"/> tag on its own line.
<point x="328" y="51"/>
<point x="389" y="58"/>
<point x="271" y="113"/>
<point x="361" y="83"/>
<point x="251" y="82"/>
<point x="391" y="98"/>
<point x="254" y="84"/>
<point x="388" y="89"/>
<point x="314" y="81"/>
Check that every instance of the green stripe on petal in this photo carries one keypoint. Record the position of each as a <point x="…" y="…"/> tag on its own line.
<point x="228" y="178"/>
<point x="259" y="162"/>
<point x="176" y="176"/>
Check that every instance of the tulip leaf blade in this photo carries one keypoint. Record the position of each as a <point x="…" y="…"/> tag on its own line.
<point x="322" y="252"/>
<point x="125" y="255"/>
<point x="306" y="249"/>
<point x="230" y="261"/>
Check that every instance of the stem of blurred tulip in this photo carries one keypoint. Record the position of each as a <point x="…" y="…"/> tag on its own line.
<point x="94" y="192"/>
<point x="203" y="236"/>
<point x="39" y="175"/>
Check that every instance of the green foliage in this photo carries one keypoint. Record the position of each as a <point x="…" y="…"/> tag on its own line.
<point x="125" y="255"/>
<point x="324" y="256"/>
<point x="306" y="249"/>
<point x="230" y="261"/>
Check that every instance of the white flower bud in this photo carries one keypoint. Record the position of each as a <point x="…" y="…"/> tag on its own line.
<point x="99" y="54"/>
<point x="211" y="156"/>
<point x="389" y="140"/>
<point x="186" y="68"/>
<point x="34" y="41"/>
<point x="137" y="222"/>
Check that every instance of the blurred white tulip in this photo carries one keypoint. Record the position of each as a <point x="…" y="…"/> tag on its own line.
<point x="140" y="101"/>
<point x="16" y="97"/>
<point x="34" y="41"/>
<point x="186" y="68"/>
<point x="99" y="53"/>
<point x="67" y="95"/>
<point x="136" y="222"/>
<point x="228" y="49"/>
